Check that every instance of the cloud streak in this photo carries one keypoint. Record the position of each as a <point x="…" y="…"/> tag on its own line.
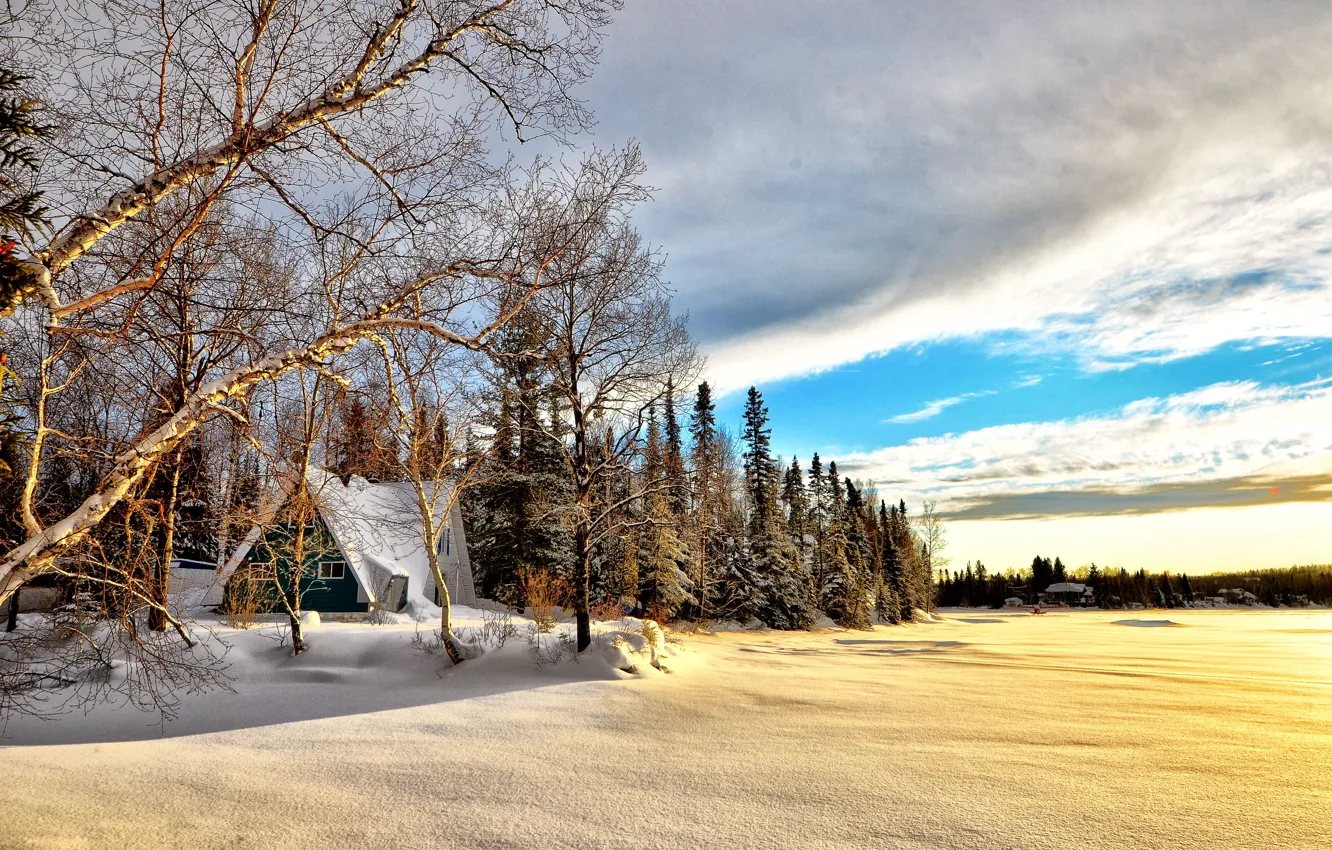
<point x="1155" y="454"/>
<point x="1095" y="179"/>
<point x="934" y="408"/>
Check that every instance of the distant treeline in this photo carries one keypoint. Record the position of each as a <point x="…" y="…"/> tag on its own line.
<point x="1295" y="586"/>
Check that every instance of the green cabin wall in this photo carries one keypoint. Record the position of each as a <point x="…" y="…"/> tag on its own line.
<point x="325" y="595"/>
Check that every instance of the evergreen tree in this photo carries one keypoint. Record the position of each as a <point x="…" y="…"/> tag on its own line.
<point x="1167" y="591"/>
<point x="840" y="585"/>
<point x="21" y="214"/>
<point x="818" y="517"/>
<point x="21" y="210"/>
<point x="1042" y="576"/>
<point x="663" y="582"/>
<point x="1060" y="574"/>
<point x="707" y="544"/>
<point x="673" y="466"/>
<point x="860" y="558"/>
<point x="908" y="563"/>
<point x="888" y="599"/>
<point x="777" y="588"/>
<point x="758" y="459"/>
<point x="796" y="503"/>
<point x="515" y="515"/>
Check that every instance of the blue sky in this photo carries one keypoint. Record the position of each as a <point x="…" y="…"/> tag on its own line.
<point x="892" y="398"/>
<point x="1064" y="268"/>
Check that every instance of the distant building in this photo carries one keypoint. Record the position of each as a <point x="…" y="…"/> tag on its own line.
<point x="1014" y="602"/>
<point x="1068" y="593"/>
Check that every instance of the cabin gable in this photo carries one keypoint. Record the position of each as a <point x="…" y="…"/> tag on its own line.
<point x="328" y="583"/>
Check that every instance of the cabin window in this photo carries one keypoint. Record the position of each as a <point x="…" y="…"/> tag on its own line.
<point x="334" y="569"/>
<point x="448" y="541"/>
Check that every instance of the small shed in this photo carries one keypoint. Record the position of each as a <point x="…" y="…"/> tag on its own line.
<point x="368" y="549"/>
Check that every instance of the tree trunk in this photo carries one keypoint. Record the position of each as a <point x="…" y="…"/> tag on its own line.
<point x="583" y="585"/>
<point x="294" y="617"/>
<point x="160" y="589"/>
<point x="11" y="621"/>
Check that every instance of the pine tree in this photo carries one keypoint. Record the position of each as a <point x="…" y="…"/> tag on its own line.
<point x="705" y="541"/>
<point x="818" y="517"/>
<point x="758" y="458"/>
<point x="21" y="214"/>
<point x="838" y="584"/>
<point x="796" y="502"/>
<point x="860" y="559"/>
<point x="888" y="599"/>
<point x="662" y="561"/>
<point x="21" y="211"/>
<point x="773" y="580"/>
<point x="673" y="466"/>
<point x="1167" y="591"/>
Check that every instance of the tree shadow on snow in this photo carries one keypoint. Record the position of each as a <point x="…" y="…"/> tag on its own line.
<point x="380" y="671"/>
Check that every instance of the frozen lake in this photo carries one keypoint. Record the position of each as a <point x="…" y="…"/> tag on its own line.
<point x="989" y="729"/>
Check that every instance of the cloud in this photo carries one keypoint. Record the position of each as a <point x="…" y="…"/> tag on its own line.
<point x="1094" y="178"/>
<point x="1150" y="499"/>
<point x="934" y="408"/>
<point x="1218" y="445"/>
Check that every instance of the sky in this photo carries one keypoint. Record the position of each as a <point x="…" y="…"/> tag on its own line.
<point x="1061" y="267"/>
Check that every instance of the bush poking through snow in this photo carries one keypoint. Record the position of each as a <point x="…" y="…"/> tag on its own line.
<point x="431" y="643"/>
<point x="544" y="591"/>
<point x="495" y="630"/>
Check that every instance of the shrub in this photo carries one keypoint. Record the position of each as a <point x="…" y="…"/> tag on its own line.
<point x="543" y="591"/>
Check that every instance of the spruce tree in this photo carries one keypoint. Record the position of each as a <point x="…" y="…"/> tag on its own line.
<point x="888" y="599"/>
<point x="818" y="517"/>
<point x="838" y="584"/>
<point x="673" y="466"/>
<point x="860" y="558"/>
<point x="797" y="506"/>
<point x="773" y="580"/>
<point x="706" y="543"/>
<point x="1167" y="591"/>
<point x="21" y="212"/>
<point x="663" y="582"/>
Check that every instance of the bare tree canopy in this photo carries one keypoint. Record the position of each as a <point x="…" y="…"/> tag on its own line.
<point x="333" y="154"/>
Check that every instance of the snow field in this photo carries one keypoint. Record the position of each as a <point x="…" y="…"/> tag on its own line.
<point x="984" y="729"/>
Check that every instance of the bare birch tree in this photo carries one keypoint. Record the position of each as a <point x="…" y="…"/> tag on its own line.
<point x="321" y="120"/>
<point x="612" y="345"/>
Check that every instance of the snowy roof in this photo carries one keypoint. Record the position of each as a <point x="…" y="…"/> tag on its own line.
<point x="1067" y="587"/>
<point x="379" y="526"/>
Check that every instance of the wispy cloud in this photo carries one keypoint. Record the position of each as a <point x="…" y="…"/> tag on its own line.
<point x="934" y="408"/>
<point x="1171" y="452"/>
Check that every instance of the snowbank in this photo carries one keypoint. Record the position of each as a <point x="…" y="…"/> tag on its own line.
<point x="356" y="667"/>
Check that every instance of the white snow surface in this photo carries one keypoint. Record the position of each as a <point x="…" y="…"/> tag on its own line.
<point x="998" y="731"/>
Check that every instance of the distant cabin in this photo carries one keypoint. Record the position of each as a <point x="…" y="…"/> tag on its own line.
<point x="1068" y="593"/>
<point x="365" y="548"/>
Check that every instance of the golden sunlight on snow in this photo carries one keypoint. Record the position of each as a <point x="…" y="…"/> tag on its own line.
<point x="1098" y="729"/>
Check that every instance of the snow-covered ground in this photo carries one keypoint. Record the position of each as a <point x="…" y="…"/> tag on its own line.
<point x="988" y="729"/>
